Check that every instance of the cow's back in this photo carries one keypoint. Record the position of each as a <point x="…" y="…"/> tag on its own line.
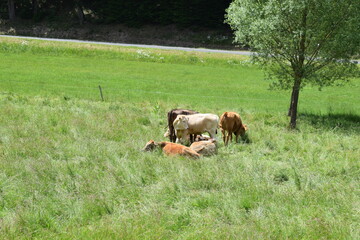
<point x="173" y="149"/>
<point x="230" y="121"/>
<point x="206" y="148"/>
<point x="202" y="121"/>
<point x="172" y="114"/>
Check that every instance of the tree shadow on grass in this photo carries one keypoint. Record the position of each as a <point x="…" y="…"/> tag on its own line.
<point x="345" y="122"/>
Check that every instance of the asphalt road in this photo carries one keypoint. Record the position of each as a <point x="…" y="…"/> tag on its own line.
<point x="136" y="45"/>
<point x="246" y="53"/>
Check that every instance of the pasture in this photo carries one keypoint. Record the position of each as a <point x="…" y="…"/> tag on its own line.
<point x="71" y="165"/>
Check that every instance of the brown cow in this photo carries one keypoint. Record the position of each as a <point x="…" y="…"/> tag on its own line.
<point x="172" y="149"/>
<point x="172" y="114"/>
<point x="230" y="122"/>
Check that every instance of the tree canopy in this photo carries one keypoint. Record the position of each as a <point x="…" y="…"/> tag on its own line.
<point x="299" y="42"/>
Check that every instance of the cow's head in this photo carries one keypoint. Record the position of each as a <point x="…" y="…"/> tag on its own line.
<point x="182" y="136"/>
<point x="242" y="130"/>
<point x="181" y="122"/>
<point x="150" y="146"/>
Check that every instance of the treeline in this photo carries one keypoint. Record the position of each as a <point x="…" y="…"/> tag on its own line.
<point x="184" y="13"/>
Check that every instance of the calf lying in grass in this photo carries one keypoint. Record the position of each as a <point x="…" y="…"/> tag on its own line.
<point x="206" y="148"/>
<point x="172" y="149"/>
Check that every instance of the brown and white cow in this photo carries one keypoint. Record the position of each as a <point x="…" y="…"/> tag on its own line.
<point x="172" y="149"/>
<point x="195" y="124"/>
<point x="230" y="122"/>
<point x="202" y="137"/>
<point x="172" y="114"/>
<point x="205" y="148"/>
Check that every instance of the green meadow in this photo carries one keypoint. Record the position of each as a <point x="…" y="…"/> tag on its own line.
<point x="71" y="165"/>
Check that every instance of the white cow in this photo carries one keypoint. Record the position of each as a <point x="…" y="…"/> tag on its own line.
<point x="195" y="124"/>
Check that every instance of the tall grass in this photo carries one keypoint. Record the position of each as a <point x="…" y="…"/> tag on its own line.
<point x="71" y="165"/>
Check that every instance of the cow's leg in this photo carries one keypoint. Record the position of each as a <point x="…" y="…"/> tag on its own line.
<point x="227" y="138"/>
<point x="182" y="136"/>
<point x="180" y="140"/>
<point x="212" y="134"/>
<point x="177" y="136"/>
<point x="223" y="134"/>
<point x="192" y="138"/>
<point x="187" y="139"/>
<point x="172" y="136"/>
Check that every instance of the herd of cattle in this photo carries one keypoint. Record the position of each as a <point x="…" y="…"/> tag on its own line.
<point x="188" y="126"/>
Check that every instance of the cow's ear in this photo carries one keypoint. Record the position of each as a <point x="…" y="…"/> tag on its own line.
<point x="245" y="127"/>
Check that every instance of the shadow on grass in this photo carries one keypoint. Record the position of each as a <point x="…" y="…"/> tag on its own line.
<point x="246" y="139"/>
<point x="346" y="122"/>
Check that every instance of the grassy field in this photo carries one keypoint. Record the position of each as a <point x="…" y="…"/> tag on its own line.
<point x="71" y="165"/>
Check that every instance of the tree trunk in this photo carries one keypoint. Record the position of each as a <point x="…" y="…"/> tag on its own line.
<point x="291" y="100"/>
<point x="298" y="68"/>
<point x="294" y="102"/>
<point x="11" y="7"/>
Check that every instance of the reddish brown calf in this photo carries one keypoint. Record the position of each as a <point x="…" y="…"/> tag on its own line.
<point x="230" y="122"/>
<point x="172" y="149"/>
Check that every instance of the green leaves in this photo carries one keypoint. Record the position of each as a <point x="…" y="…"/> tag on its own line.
<point x="299" y="41"/>
<point x="300" y="37"/>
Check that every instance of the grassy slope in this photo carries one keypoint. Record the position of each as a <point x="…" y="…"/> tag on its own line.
<point x="209" y="80"/>
<point x="71" y="168"/>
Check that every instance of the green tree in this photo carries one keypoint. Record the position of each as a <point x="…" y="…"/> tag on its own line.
<point x="299" y="42"/>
